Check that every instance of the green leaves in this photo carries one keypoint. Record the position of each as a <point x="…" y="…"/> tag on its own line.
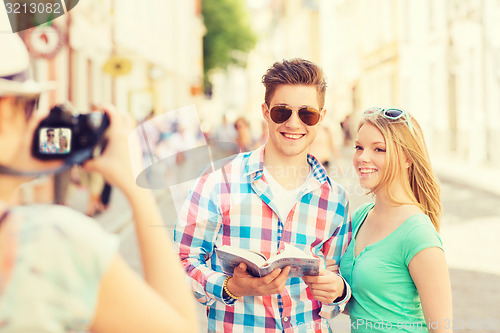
<point x="229" y="35"/>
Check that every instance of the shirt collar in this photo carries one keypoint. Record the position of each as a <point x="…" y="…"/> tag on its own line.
<point x="255" y="163"/>
<point x="255" y="166"/>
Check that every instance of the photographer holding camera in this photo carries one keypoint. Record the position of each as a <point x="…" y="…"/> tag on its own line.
<point x="59" y="271"/>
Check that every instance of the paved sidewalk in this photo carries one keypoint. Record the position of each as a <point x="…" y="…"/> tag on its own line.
<point x="473" y="250"/>
<point x="456" y="171"/>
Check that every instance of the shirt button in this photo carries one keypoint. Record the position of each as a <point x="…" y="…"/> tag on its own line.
<point x="285" y="319"/>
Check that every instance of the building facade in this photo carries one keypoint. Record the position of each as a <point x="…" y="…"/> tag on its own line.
<point x="439" y="59"/>
<point x="142" y="57"/>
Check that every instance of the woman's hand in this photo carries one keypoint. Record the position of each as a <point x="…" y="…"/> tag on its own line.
<point x="114" y="164"/>
<point x="331" y="265"/>
<point x="326" y="287"/>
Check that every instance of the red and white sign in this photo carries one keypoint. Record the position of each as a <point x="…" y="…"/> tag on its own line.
<point x="44" y="41"/>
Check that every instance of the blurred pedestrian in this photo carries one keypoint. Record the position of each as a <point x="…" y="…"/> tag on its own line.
<point x="244" y="138"/>
<point x="62" y="179"/>
<point x="99" y="189"/>
<point x="95" y="185"/>
<point x="396" y="238"/>
<point x="346" y="129"/>
<point x="325" y="150"/>
<point x="262" y="200"/>
<point x="59" y="271"/>
<point x="225" y="132"/>
<point x="105" y="197"/>
<point x="61" y="185"/>
<point x="149" y="140"/>
<point x="264" y="135"/>
<point x="223" y="138"/>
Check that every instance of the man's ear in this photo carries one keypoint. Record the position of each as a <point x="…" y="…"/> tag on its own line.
<point x="322" y="115"/>
<point x="265" y="111"/>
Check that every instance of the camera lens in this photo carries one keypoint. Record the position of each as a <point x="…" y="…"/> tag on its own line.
<point x="95" y="119"/>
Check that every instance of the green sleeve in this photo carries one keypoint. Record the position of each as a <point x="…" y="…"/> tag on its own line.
<point x="420" y="236"/>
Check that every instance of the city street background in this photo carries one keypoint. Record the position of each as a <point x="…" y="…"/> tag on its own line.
<point x="439" y="60"/>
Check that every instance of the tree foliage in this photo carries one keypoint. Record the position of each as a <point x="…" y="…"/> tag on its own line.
<point x="228" y="31"/>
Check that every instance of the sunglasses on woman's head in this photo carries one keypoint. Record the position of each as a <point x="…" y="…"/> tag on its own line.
<point x="281" y="113"/>
<point x="392" y="114"/>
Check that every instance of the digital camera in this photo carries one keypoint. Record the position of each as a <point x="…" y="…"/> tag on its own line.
<point x="65" y="135"/>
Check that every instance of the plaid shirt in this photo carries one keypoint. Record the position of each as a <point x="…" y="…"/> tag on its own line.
<point x="45" y="147"/>
<point x="234" y="206"/>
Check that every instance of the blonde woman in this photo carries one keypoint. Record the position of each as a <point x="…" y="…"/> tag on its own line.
<point x="63" y="145"/>
<point x="395" y="263"/>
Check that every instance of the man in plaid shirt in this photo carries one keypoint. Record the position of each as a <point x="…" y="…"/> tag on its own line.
<point x="262" y="200"/>
<point x="49" y="146"/>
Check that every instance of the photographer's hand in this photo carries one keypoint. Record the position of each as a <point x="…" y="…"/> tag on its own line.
<point x="161" y="266"/>
<point x="115" y="162"/>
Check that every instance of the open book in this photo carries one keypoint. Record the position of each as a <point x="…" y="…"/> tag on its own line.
<point x="257" y="265"/>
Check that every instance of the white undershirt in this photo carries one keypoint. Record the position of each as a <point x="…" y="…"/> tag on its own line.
<point x="283" y="199"/>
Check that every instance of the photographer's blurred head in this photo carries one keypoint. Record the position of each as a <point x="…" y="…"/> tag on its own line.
<point x="15" y="83"/>
<point x="19" y="96"/>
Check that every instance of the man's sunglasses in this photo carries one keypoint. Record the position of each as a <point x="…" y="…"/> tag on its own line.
<point x="281" y="113"/>
<point x="392" y="114"/>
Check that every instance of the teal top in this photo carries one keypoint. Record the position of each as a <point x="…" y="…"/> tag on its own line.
<point x="384" y="296"/>
<point x="52" y="260"/>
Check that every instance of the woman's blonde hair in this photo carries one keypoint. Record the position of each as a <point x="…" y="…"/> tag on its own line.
<point x="65" y="140"/>
<point x="405" y="145"/>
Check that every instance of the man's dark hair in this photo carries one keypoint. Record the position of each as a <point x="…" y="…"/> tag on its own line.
<point x="294" y="71"/>
<point x="49" y="130"/>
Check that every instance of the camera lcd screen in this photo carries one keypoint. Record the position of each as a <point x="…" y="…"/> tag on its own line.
<point x="55" y="140"/>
